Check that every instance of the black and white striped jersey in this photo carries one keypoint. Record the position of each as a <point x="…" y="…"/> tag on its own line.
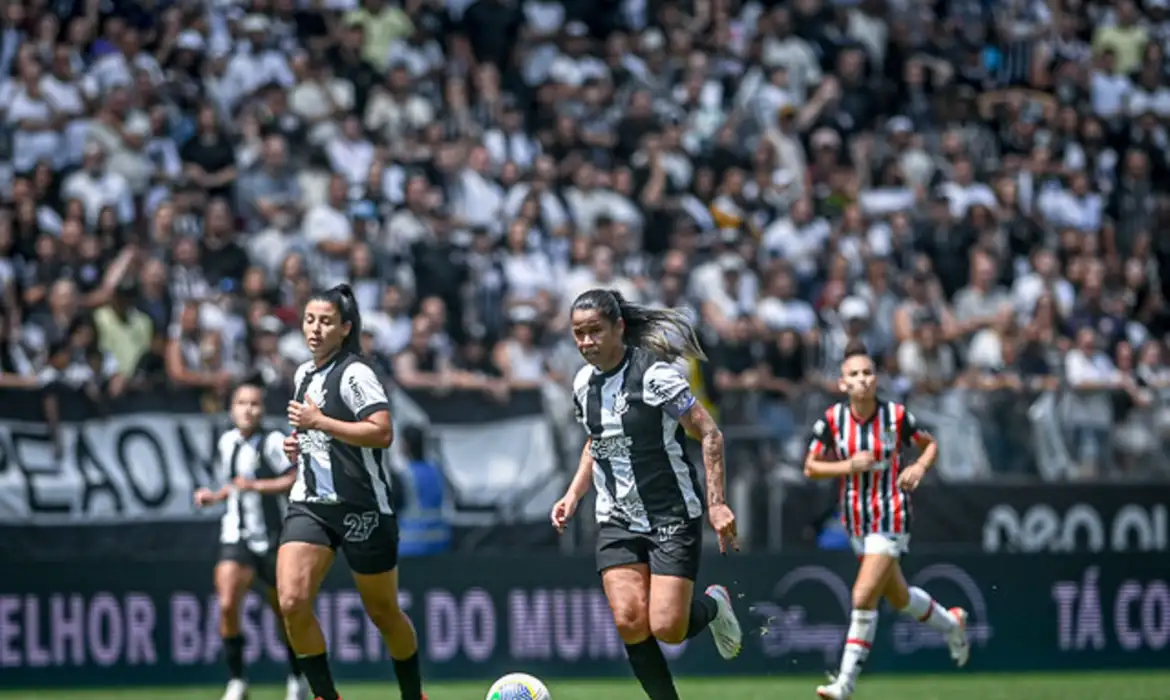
<point x="252" y="519"/>
<point x="643" y="477"/>
<point x="332" y="471"/>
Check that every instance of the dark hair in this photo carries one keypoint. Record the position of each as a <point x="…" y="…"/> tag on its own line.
<point x="665" y="332"/>
<point x="252" y="381"/>
<point x="341" y="297"/>
<point x="855" y="348"/>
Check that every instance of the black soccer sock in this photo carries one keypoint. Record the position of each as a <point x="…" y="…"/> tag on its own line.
<point x="703" y="610"/>
<point x="409" y="678"/>
<point x="294" y="663"/>
<point x="233" y="654"/>
<point x="316" y="669"/>
<point x="651" y="670"/>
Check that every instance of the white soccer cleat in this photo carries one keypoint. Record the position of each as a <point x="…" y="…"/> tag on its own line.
<point x="725" y="627"/>
<point x="236" y="690"/>
<point x="297" y="688"/>
<point x="836" y="690"/>
<point x="957" y="641"/>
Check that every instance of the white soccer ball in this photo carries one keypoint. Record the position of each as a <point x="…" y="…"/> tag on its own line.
<point x="518" y="686"/>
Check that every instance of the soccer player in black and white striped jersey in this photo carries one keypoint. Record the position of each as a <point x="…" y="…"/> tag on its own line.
<point x="638" y="407"/>
<point x="256" y="475"/>
<point x="861" y="442"/>
<point x="341" y="498"/>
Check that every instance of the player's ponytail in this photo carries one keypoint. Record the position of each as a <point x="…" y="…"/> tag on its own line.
<point x="665" y="332"/>
<point x="342" y="297"/>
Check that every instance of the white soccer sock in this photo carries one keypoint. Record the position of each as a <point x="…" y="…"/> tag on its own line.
<point x="923" y="608"/>
<point x="858" y="641"/>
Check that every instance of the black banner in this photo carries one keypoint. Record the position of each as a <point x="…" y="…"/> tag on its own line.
<point x="1013" y="518"/>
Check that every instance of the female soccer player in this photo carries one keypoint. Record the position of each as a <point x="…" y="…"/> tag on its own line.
<point x="256" y="476"/>
<point x="341" y="497"/>
<point x="636" y="406"/>
<point x="860" y="441"/>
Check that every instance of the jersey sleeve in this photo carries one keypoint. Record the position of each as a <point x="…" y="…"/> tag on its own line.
<point x="362" y="392"/>
<point x="665" y="387"/>
<point x="911" y="431"/>
<point x="821" y="442"/>
<point x="273" y="449"/>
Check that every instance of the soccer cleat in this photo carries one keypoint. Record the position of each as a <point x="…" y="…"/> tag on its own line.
<point x="237" y="689"/>
<point x="725" y="627"/>
<point x="296" y="688"/>
<point x="957" y="640"/>
<point x="836" y="690"/>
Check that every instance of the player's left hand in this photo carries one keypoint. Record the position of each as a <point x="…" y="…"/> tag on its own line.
<point x="243" y="484"/>
<point x="723" y="522"/>
<point x="304" y="415"/>
<point x="911" y="476"/>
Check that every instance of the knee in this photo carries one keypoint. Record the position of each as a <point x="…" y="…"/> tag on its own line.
<point x="294" y="603"/>
<point x="669" y="627"/>
<point x="633" y="624"/>
<point x="229" y="606"/>
<point x="384" y="612"/>
<point x="864" y="597"/>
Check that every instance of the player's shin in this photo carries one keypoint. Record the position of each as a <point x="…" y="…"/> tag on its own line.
<point x="651" y="669"/>
<point x="858" y="642"/>
<point x="704" y="608"/>
<point x="922" y="607"/>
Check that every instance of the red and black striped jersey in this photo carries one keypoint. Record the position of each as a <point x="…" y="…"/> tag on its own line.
<point x="871" y="502"/>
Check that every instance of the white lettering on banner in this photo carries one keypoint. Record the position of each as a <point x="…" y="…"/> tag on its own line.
<point x="454" y="624"/>
<point x="140" y="466"/>
<point x="952" y="584"/>
<point x="787" y="630"/>
<point x="1141" y="614"/>
<point x="72" y="631"/>
<point x="1042" y="529"/>
<point x="567" y="625"/>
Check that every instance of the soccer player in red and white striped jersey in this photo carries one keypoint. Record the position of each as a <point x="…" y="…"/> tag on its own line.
<point x="862" y="442"/>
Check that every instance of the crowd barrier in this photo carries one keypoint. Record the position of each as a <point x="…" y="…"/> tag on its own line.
<point x="155" y="623"/>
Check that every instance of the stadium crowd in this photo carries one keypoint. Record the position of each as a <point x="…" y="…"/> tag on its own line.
<point x="976" y="188"/>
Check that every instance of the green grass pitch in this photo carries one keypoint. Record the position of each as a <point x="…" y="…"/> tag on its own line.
<point x="955" y="686"/>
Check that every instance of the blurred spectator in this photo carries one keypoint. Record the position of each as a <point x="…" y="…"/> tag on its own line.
<point x="974" y="191"/>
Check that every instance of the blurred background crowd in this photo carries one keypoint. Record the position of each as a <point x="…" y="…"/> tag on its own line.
<point x="977" y="188"/>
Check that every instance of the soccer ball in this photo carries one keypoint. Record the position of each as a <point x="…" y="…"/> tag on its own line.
<point x="518" y="686"/>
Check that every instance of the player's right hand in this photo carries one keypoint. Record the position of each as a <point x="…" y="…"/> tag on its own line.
<point x="862" y="461"/>
<point x="204" y="497"/>
<point x="291" y="449"/>
<point x="562" y="511"/>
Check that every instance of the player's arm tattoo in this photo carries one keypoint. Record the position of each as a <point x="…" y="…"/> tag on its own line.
<point x="697" y="421"/>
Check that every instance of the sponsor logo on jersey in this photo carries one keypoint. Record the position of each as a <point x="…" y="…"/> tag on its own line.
<point x="617" y="447"/>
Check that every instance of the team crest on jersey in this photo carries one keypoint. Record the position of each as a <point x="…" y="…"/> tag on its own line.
<point x="889" y="437"/>
<point x="621" y="404"/>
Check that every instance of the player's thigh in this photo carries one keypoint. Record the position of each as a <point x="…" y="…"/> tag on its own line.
<point x="670" y="606"/>
<point x="879" y="554"/>
<point x="379" y="593"/>
<point x="307" y="550"/>
<point x="233" y="577"/>
<point x="627" y="588"/>
<point x="369" y="540"/>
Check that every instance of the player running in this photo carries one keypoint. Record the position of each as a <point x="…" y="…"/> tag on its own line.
<point x="636" y="406"/>
<point x="860" y="441"/>
<point x="255" y="475"/>
<point x="342" y="497"/>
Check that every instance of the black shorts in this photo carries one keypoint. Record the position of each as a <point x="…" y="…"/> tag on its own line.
<point x="263" y="564"/>
<point x="368" y="539"/>
<point x="671" y="550"/>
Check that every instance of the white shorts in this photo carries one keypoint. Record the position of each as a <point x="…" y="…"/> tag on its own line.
<point x="884" y="543"/>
